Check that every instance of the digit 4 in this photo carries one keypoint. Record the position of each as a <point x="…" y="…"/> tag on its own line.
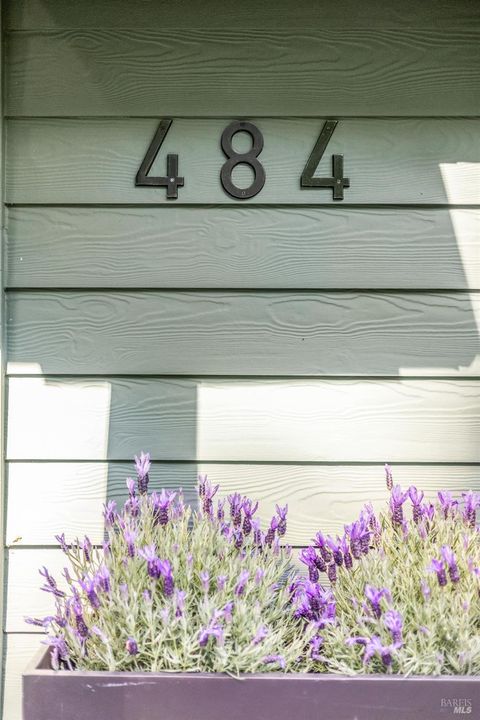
<point x="171" y="181"/>
<point x="337" y="182"/>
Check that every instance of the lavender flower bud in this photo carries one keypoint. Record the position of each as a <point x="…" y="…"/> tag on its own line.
<point x="142" y="465"/>
<point x="131" y="646"/>
<point x="388" y="476"/>
<point x="332" y="572"/>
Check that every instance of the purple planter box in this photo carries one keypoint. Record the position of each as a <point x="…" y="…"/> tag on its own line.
<point x="65" y="695"/>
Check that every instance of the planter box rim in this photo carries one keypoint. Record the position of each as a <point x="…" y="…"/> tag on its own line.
<point x="39" y="666"/>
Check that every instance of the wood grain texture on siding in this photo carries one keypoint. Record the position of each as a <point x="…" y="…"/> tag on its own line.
<point x="68" y="497"/>
<point x="414" y="71"/>
<point x="243" y="333"/>
<point x="241" y="247"/>
<point x="20" y="650"/>
<point x="238" y="420"/>
<point x="388" y="161"/>
<point x="249" y="14"/>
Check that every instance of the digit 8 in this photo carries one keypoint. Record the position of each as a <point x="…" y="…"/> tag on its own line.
<point x="250" y="158"/>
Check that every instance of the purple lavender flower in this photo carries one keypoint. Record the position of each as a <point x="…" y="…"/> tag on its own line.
<point x="212" y="630"/>
<point x="131" y="646"/>
<point x="449" y="558"/>
<point x="308" y="556"/>
<point x="388" y="476"/>
<point x="82" y="628"/>
<point x="220" y="510"/>
<point x="241" y="583"/>
<point x="102" y="578"/>
<point x="237" y="538"/>
<point x="471" y="503"/>
<point x="143" y="464"/>
<point x="332" y="572"/>
<point x="321" y="543"/>
<point x="416" y="498"/>
<point x="447" y="503"/>
<point x="397" y="498"/>
<point x="371" y="520"/>
<point x="249" y="510"/>
<point x="260" y="635"/>
<point x="149" y="554"/>
<point x="130" y="536"/>
<point x="110" y="513"/>
<point x="347" y="556"/>
<point x="130" y="486"/>
<point x="221" y="580"/>
<point x="259" y="575"/>
<point x="270" y="536"/>
<point x="258" y="537"/>
<point x="394" y="623"/>
<point x="336" y="551"/>
<point x="359" y="538"/>
<point x="161" y="505"/>
<point x="166" y="572"/>
<point x="282" y="519"/>
<point x="227" y="611"/>
<point x="316" y="643"/>
<point x="374" y="646"/>
<point x="62" y="542"/>
<point x="60" y="654"/>
<point x="374" y="596"/>
<point x="438" y="567"/>
<point x="206" y="492"/>
<point x="236" y="503"/>
<point x="180" y="596"/>
<point x="205" y="580"/>
<point x="426" y="592"/>
<point x="50" y="586"/>
<point x="87" y="548"/>
<point x="89" y="587"/>
<point x="274" y="660"/>
<point x="132" y="506"/>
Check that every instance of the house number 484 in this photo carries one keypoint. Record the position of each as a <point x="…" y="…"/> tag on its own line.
<point x="172" y="181"/>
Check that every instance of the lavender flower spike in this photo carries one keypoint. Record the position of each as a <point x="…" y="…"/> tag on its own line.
<point x="131" y="646"/>
<point x="207" y="492"/>
<point x="416" y="497"/>
<point x="397" y="499"/>
<point x="282" y="519"/>
<point x="388" y="476"/>
<point x="143" y="464"/>
<point x="437" y="567"/>
<point x="242" y="581"/>
<point x="275" y="659"/>
<point x="394" y="623"/>
<point x="249" y="509"/>
<point x="447" y="503"/>
<point x="374" y="595"/>
<point x="472" y="502"/>
<point x="449" y="558"/>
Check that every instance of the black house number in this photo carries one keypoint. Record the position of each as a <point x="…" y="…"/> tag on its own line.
<point x="171" y="181"/>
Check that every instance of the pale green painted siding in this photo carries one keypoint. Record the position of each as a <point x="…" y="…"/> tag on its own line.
<point x="288" y="345"/>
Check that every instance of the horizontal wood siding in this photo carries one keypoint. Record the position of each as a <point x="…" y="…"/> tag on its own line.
<point x="324" y="496"/>
<point x="282" y="14"/>
<point x="250" y="333"/>
<point x="259" y="420"/>
<point x="239" y="247"/>
<point x="288" y="345"/>
<point x="388" y="161"/>
<point x="198" y="71"/>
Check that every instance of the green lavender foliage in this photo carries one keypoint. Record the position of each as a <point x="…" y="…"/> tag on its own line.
<point x="439" y="611"/>
<point x="222" y="606"/>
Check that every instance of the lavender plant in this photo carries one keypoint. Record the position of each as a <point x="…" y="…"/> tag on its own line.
<point x="405" y="589"/>
<point x="173" y="589"/>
